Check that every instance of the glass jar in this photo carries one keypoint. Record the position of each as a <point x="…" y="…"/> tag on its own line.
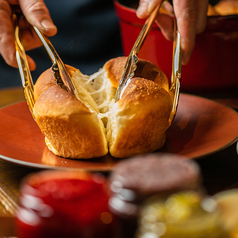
<point x="64" y="204"/>
<point x="185" y="214"/>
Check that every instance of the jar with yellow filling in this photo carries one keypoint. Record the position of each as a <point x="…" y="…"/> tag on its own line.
<point x="185" y="215"/>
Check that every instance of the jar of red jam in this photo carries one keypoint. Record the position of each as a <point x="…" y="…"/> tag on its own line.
<point x="64" y="204"/>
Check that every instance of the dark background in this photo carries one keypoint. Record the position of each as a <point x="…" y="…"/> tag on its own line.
<point x="88" y="35"/>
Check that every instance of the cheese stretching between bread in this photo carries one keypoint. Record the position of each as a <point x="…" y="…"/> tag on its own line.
<point x="90" y="124"/>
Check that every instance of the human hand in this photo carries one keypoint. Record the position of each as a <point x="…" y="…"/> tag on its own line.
<point x="191" y="18"/>
<point x="36" y="14"/>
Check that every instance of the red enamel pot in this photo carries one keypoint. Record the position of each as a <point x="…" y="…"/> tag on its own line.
<point x="214" y="61"/>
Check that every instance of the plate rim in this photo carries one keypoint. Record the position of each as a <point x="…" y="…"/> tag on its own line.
<point x="57" y="167"/>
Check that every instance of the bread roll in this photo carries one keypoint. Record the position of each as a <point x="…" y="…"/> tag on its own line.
<point x="90" y="124"/>
<point x="227" y="7"/>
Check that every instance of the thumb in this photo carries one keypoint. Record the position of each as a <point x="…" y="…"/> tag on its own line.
<point x="37" y="14"/>
<point x="146" y="7"/>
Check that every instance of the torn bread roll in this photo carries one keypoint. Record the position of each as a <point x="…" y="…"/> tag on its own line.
<point x="90" y="124"/>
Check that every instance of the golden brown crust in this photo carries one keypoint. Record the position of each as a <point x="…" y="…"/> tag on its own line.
<point x="71" y="130"/>
<point x="47" y="80"/>
<point x="145" y="69"/>
<point x="137" y="122"/>
<point x="148" y="70"/>
<point x="114" y="69"/>
<point x="142" y="119"/>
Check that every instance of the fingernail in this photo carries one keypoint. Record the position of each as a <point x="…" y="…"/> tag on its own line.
<point x="142" y="9"/>
<point x="185" y="59"/>
<point x="48" y="25"/>
<point x="150" y="6"/>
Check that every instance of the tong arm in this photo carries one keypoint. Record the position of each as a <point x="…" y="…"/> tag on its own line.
<point x="56" y="61"/>
<point x="145" y="30"/>
<point x="24" y="70"/>
<point x="132" y="59"/>
<point x="176" y="72"/>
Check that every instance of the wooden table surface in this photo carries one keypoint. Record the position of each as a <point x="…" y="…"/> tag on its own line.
<point x="219" y="170"/>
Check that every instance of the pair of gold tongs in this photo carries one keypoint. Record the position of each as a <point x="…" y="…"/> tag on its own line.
<point x="132" y="60"/>
<point x="58" y="66"/>
<point x="176" y="72"/>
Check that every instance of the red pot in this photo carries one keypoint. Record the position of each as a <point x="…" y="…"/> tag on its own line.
<point x="214" y="61"/>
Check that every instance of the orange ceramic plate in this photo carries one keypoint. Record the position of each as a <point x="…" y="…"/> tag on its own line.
<point x="201" y="127"/>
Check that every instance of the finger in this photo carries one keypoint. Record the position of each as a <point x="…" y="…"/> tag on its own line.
<point x="202" y="8"/>
<point x="13" y="2"/>
<point x="186" y="14"/>
<point x="165" y="23"/>
<point x="38" y="15"/>
<point x="29" y="38"/>
<point x="31" y="63"/>
<point x="7" y="39"/>
<point x="146" y="7"/>
<point x="168" y="7"/>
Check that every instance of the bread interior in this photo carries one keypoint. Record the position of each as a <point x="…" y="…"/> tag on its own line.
<point x="97" y="93"/>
